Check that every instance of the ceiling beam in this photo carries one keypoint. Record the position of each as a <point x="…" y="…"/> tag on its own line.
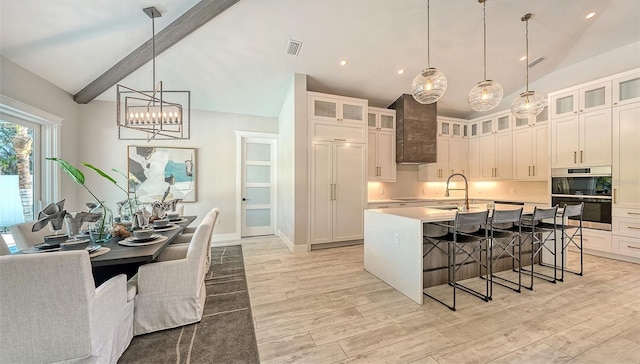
<point x="194" y="18"/>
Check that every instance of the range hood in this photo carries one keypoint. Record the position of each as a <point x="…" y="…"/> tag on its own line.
<point x="416" y="129"/>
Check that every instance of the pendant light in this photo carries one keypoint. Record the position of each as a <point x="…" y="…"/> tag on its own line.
<point x="486" y="94"/>
<point x="529" y="103"/>
<point x="430" y="84"/>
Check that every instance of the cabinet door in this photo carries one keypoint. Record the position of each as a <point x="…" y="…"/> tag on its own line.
<point x="349" y="197"/>
<point x="565" y="104"/>
<point x="474" y="158"/>
<point x="324" y="108"/>
<point x="386" y="156"/>
<point x="626" y="90"/>
<point x="372" y="120"/>
<point x="523" y="154"/>
<point x="503" y="155"/>
<point x="487" y="157"/>
<point x="321" y="192"/>
<point x="565" y="142"/>
<point x="455" y="156"/>
<point x="372" y="155"/>
<point x="388" y="120"/>
<point x="595" y="138"/>
<point x="595" y="97"/>
<point x="540" y="170"/>
<point x="352" y="112"/>
<point x="626" y="149"/>
<point x="503" y="123"/>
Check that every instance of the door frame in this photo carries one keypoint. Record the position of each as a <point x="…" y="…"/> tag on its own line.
<point x="240" y="134"/>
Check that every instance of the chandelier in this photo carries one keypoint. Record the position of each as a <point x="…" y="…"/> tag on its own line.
<point x="487" y="94"/>
<point x="157" y="114"/>
<point x="430" y="84"/>
<point x="529" y="103"/>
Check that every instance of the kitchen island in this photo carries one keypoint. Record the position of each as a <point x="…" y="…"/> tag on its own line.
<point x="393" y="249"/>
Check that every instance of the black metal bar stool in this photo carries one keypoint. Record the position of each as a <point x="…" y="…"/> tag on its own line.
<point x="571" y="235"/>
<point x="505" y="241"/>
<point x="542" y="235"/>
<point x="461" y="240"/>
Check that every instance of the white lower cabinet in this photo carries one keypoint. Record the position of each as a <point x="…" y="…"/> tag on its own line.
<point x="626" y="246"/>
<point x="338" y="191"/>
<point x="596" y="240"/>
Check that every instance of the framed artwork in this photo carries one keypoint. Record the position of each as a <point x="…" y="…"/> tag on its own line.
<point x="155" y="170"/>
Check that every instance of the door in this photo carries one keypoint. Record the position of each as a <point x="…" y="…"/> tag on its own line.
<point x="348" y="191"/>
<point x="258" y="186"/>
<point x="321" y="181"/>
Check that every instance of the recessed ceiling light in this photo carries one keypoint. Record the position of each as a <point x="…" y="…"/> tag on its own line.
<point x="523" y="58"/>
<point x="400" y="71"/>
<point x="344" y="62"/>
<point x="590" y="15"/>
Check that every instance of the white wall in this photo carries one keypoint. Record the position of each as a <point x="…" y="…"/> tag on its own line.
<point x="21" y="85"/>
<point x="212" y="133"/>
<point x="301" y="170"/>
<point x="286" y="171"/>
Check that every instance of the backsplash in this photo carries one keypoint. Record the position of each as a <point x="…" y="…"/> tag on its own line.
<point x="407" y="185"/>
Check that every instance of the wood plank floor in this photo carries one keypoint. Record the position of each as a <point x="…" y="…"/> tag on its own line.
<point x="323" y="307"/>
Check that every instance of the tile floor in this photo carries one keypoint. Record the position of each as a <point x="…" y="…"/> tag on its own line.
<point x="323" y="307"/>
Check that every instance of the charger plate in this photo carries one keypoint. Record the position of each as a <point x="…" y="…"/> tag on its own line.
<point x="126" y="242"/>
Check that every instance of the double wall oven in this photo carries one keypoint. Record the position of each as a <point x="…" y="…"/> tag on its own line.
<point x="589" y="185"/>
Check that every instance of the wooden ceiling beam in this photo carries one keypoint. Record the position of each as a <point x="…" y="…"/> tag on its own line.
<point x="194" y="18"/>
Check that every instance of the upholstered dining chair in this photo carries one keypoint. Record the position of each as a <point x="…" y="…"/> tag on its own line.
<point x="4" y="249"/>
<point x="25" y="238"/>
<point x="51" y="311"/>
<point x="178" y="248"/>
<point x="172" y="293"/>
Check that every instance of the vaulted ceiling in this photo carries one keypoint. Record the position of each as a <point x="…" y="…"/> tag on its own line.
<point x="237" y="62"/>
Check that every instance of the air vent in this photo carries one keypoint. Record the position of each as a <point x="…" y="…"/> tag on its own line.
<point x="293" y="47"/>
<point x="536" y="61"/>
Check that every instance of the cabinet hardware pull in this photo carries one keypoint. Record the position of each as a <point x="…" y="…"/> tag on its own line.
<point x="335" y="192"/>
<point x="581" y="161"/>
<point x="383" y="207"/>
<point x="534" y="171"/>
<point x="633" y="247"/>
<point x="575" y="157"/>
<point x="529" y="171"/>
<point x="379" y="171"/>
<point x="496" y="171"/>
<point x="340" y="140"/>
<point x="633" y="213"/>
<point x="615" y="200"/>
<point x="633" y="227"/>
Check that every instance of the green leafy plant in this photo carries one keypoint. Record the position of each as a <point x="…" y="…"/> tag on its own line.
<point x="78" y="177"/>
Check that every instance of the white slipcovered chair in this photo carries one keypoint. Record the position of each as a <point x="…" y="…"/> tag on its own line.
<point x="25" y="238"/>
<point x="4" y="249"/>
<point x="172" y="293"/>
<point x="51" y="311"/>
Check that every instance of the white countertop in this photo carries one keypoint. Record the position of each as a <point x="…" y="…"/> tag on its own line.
<point x="431" y="214"/>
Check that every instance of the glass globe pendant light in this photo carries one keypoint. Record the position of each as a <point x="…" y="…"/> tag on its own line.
<point x="486" y="94"/>
<point x="430" y="84"/>
<point x="529" y="103"/>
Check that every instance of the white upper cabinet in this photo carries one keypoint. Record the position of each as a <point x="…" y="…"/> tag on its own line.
<point x="452" y="128"/>
<point x="381" y="157"/>
<point x="542" y="118"/>
<point x="492" y="124"/>
<point x="596" y="96"/>
<point x="337" y="118"/>
<point x="626" y="89"/>
<point x="530" y="156"/>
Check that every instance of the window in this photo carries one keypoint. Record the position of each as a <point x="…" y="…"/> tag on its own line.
<point x="27" y="136"/>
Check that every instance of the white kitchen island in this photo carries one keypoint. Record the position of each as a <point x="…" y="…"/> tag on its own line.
<point x="393" y="243"/>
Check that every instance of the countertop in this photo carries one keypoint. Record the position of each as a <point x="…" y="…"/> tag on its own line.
<point x="434" y="214"/>
<point x="476" y="198"/>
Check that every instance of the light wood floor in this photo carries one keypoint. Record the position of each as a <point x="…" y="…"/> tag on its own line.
<point x="323" y="307"/>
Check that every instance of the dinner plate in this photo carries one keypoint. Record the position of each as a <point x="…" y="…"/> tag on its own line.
<point x="166" y="228"/>
<point x="92" y="248"/>
<point x="133" y="239"/>
<point x="178" y="220"/>
<point x="126" y="242"/>
<point x="46" y="246"/>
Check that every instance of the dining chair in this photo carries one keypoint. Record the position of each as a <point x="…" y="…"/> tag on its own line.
<point x="51" y="310"/>
<point x="4" y="249"/>
<point x="25" y="238"/>
<point x="178" y="248"/>
<point x="172" y="293"/>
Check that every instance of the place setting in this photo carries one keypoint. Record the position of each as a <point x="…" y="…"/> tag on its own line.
<point x="142" y="237"/>
<point x="165" y="224"/>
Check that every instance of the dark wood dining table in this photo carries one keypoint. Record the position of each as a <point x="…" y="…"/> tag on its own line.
<point x="126" y="259"/>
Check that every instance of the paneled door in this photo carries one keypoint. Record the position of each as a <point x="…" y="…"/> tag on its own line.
<point x="258" y="187"/>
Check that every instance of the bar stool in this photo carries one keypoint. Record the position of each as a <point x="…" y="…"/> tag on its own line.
<point x="461" y="240"/>
<point x="504" y="239"/>
<point x="541" y="234"/>
<point x="571" y="235"/>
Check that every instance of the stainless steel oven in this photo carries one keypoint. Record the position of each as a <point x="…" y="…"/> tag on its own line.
<point x="591" y="185"/>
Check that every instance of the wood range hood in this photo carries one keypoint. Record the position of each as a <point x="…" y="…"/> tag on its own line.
<point x="416" y="130"/>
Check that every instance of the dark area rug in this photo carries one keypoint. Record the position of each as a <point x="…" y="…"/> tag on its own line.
<point x="225" y="334"/>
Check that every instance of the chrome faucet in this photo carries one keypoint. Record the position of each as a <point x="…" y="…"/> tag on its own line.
<point x="466" y="189"/>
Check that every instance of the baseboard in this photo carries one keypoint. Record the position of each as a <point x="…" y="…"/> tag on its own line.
<point x="225" y="237"/>
<point x="292" y="247"/>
